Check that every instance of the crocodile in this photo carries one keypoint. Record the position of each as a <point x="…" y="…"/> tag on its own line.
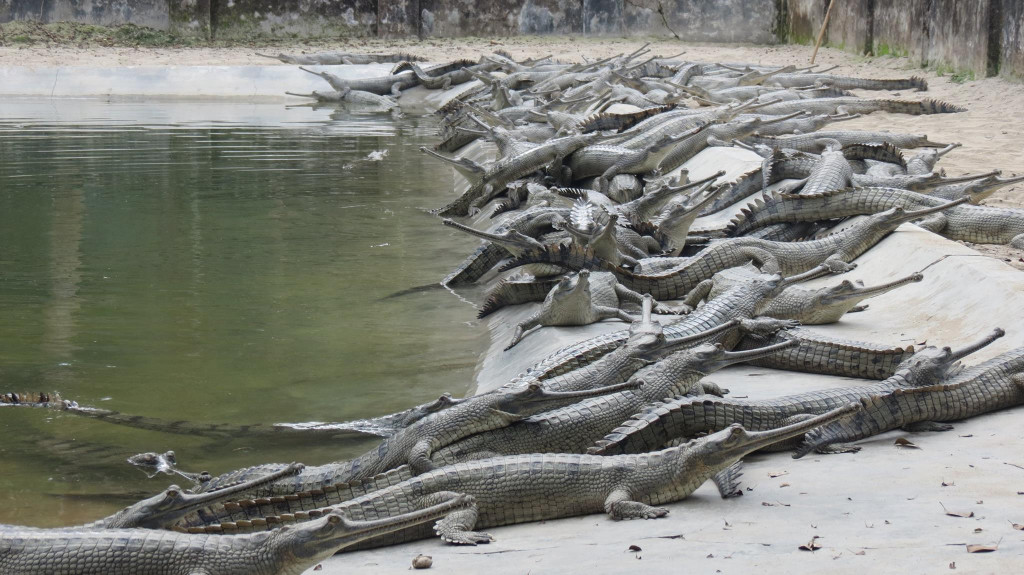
<point x="835" y="250"/>
<point x="832" y="171"/>
<point x="569" y="303"/>
<point x="823" y="354"/>
<point x="573" y="428"/>
<point x="491" y="180"/>
<point x="393" y="84"/>
<point x="350" y="96"/>
<point x="964" y="222"/>
<point x="143" y="551"/>
<point x="688" y="416"/>
<point x="847" y="83"/>
<point x="608" y="161"/>
<point x="414" y="444"/>
<point x="924" y="162"/>
<point x="802" y="125"/>
<point x="337" y="58"/>
<point x="739" y="303"/>
<point x="978" y="189"/>
<point x="989" y="386"/>
<point x="815" y="142"/>
<point x="855" y="105"/>
<point x="828" y="304"/>
<point x="535" y="487"/>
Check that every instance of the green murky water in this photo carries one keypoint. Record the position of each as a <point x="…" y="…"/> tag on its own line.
<point x="212" y="270"/>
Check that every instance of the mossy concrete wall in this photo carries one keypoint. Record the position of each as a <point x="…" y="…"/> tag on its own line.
<point x="239" y="19"/>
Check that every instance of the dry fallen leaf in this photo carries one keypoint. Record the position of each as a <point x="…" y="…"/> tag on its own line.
<point x="777" y="473"/>
<point x="422" y="562"/>
<point x="318" y="567"/>
<point x="635" y="548"/>
<point x="951" y="483"/>
<point x="861" y="552"/>
<point x="784" y="485"/>
<point x="902" y="442"/>
<point x="981" y="548"/>
<point x="1018" y="527"/>
<point x="977" y="529"/>
<point x="952" y="565"/>
<point x="956" y="513"/>
<point x="811" y="545"/>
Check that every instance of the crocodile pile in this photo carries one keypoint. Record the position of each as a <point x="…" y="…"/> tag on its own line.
<point x="588" y="213"/>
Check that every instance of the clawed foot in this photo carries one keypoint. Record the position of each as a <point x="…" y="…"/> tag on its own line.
<point x="467" y="538"/>
<point x="652" y="513"/>
<point x="837" y="448"/>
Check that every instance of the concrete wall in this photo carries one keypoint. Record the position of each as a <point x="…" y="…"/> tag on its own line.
<point x="298" y="18"/>
<point x="152" y="13"/>
<point x="1010" y="34"/>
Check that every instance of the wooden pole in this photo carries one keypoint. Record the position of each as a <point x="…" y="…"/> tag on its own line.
<point x="821" y="34"/>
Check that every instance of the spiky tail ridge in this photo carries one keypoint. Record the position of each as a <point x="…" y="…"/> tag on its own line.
<point x="619" y="122"/>
<point x="572" y="256"/>
<point x="926" y="106"/>
<point x="511" y="292"/>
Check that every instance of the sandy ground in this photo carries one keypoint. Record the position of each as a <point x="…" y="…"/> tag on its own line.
<point x="991" y="131"/>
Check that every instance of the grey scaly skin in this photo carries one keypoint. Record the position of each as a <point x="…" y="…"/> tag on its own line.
<point x="350" y="96"/>
<point x="414" y="444"/>
<point x="815" y="142"/>
<point x="148" y="552"/>
<point x="605" y="291"/>
<point x="827" y="355"/>
<point x="965" y="222"/>
<point x="855" y="105"/>
<point x="569" y="303"/>
<point x="573" y="428"/>
<point x="491" y="180"/>
<point x="828" y="304"/>
<point x="835" y="250"/>
<point x="338" y="58"/>
<point x="846" y="82"/>
<point x="995" y="384"/>
<point x="741" y="302"/>
<point x="539" y="487"/>
<point x="717" y="135"/>
<point x="503" y="241"/>
<point x="803" y="125"/>
<point x="832" y="171"/>
<point x="924" y="162"/>
<point x="788" y="208"/>
<point x="675" y="221"/>
<point x="978" y="189"/>
<point x="608" y="161"/>
<point x="393" y="84"/>
<point x="165" y="509"/>
<point x="687" y="416"/>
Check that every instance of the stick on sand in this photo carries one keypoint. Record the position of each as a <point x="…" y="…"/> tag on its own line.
<point x="821" y="33"/>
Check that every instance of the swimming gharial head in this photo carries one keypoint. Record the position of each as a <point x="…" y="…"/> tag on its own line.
<point x="932" y="364"/>
<point x="162" y="510"/>
<point x="717" y="451"/>
<point x="307" y="543"/>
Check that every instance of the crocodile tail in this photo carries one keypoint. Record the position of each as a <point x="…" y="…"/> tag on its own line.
<point x="477" y="264"/>
<point x="572" y="256"/>
<point x="884" y="152"/>
<point x="642" y="432"/>
<point x="913" y="83"/>
<point x="406" y="65"/>
<point x="513" y="292"/>
<point x="743" y="222"/>
<point x="619" y="122"/>
<point x="926" y="106"/>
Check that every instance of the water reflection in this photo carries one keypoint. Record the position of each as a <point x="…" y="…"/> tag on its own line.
<point x="216" y="271"/>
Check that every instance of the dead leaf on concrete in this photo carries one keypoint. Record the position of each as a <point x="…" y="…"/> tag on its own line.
<point x="964" y="514"/>
<point x="860" y="552"/>
<point x="982" y="548"/>
<point x="952" y="565"/>
<point x="977" y="530"/>
<point x="777" y="473"/>
<point x="318" y="567"/>
<point x="903" y="442"/>
<point x="950" y="484"/>
<point x="811" y="545"/>
<point x="635" y="548"/>
<point x="784" y="485"/>
<point x="1018" y="526"/>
